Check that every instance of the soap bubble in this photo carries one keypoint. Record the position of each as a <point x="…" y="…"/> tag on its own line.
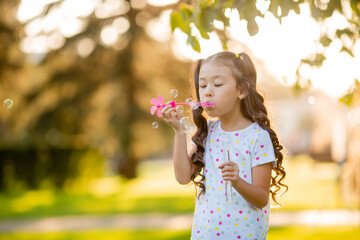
<point x="8" y="103"/>
<point x="188" y="100"/>
<point x="188" y="124"/>
<point x="195" y="106"/>
<point x="180" y="108"/>
<point x="155" y="124"/>
<point x="174" y="93"/>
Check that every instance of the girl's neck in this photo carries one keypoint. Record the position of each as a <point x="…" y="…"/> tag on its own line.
<point x="234" y="121"/>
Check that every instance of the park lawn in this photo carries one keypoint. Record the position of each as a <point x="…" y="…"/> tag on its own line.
<point x="155" y="190"/>
<point x="278" y="233"/>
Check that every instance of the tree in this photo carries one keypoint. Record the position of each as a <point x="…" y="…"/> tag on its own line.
<point x="83" y="89"/>
<point x="202" y="14"/>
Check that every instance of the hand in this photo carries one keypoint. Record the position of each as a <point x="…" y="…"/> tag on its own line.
<point x="172" y="117"/>
<point x="230" y="171"/>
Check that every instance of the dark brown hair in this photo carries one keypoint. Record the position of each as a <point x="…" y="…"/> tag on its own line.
<point x="252" y="107"/>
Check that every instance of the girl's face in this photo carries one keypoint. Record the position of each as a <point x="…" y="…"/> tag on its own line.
<point x="218" y="85"/>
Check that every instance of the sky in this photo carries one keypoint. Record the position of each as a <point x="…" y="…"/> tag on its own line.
<point x="280" y="46"/>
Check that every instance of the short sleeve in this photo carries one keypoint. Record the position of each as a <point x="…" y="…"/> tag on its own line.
<point x="263" y="150"/>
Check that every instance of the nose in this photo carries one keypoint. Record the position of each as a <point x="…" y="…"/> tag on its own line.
<point x="209" y="91"/>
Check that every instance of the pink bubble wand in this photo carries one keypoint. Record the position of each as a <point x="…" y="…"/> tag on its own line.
<point x="158" y="105"/>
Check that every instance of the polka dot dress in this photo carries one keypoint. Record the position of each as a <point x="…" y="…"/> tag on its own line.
<point x="214" y="217"/>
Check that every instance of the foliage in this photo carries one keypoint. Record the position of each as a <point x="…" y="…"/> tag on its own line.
<point x="202" y="14"/>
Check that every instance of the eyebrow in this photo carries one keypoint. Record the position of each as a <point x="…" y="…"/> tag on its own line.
<point x="216" y="76"/>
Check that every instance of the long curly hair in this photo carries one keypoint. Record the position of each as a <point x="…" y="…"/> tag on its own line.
<point x="252" y="107"/>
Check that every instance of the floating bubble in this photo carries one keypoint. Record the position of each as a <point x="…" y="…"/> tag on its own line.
<point x="188" y="100"/>
<point x="195" y="106"/>
<point x="180" y="108"/>
<point x="174" y="93"/>
<point x="155" y="124"/>
<point x="188" y="124"/>
<point x="8" y="103"/>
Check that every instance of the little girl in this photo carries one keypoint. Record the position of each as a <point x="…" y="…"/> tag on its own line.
<point x="239" y="150"/>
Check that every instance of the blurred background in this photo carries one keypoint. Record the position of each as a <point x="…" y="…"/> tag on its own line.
<point x="79" y="156"/>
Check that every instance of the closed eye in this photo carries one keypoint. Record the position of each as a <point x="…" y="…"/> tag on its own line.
<point x="218" y="85"/>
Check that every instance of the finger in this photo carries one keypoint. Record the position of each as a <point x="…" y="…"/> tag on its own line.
<point x="225" y="163"/>
<point x="165" y="109"/>
<point x="169" y="111"/>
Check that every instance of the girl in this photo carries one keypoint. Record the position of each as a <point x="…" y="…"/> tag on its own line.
<point x="238" y="148"/>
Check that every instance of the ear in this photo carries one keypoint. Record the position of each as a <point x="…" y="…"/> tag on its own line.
<point x="242" y="94"/>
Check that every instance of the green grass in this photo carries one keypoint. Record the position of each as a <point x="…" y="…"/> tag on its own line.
<point x="308" y="183"/>
<point x="279" y="233"/>
<point x="314" y="233"/>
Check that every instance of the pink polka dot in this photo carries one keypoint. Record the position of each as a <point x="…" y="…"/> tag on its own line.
<point x="237" y="154"/>
<point x="257" y="158"/>
<point x="208" y="221"/>
<point x="257" y="219"/>
<point x="207" y="200"/>
<point x="228" y="215"/>
<point x="220" y="223"/>
<point x="221" y="150"/>
<point x="244" y="176"/>
<point x="211" y="211"/>
<point x="222" y="182"/>
<point x="240" y="212"/>
<point x="211" y="131"/>
<point x="210" y="149"/>
<point x="217" y="159"/>
<point x="218" y="234"/>
<point x="262" y="146"/>
<point x="198" y="231"/>
<point x="217" y="140"/>
<point x="236" y="134"/>
<point x="204" y="211"/>
<point x="247" y="152"/>
<point x="265" y="211"/>
<point x="206" y="170"/>
<point x="238" y="237"/>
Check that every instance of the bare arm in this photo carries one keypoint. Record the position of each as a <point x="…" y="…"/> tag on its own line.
<point x="183" y="167"/>
<point x="256" y="193"/>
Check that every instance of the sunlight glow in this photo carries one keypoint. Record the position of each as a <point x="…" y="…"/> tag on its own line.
<point x="159" y="28"/>
<point x="109" y="35"/>
<point x="111" y="8"/>
<point x="282" y="46"/>
<point x="85" y="46"/>
<point x="159" y="3"/>
<point x="71" y="26"/>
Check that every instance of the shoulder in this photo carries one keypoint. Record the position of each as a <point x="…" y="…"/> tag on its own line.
<point x="260" y="133"/>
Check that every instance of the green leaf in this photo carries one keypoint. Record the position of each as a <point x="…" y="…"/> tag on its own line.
<point x="347" y="50"/>
<point x="346" y="31"/>
<point x="177" y="21"/>
<point x="186" y="9"/>
<point x="194" y="43"/>
<point x="317" y="61"/>
<point x="325" y="41"/>
<point x="252" y="27"/>
<point x="355" y="6"/>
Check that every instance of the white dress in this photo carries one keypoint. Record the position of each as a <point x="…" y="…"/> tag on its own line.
<point x="214" y="217"/>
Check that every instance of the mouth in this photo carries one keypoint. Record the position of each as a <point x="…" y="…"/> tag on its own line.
<point x="210" y="104"/>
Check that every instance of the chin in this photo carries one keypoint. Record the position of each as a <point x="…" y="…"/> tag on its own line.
<point x="212" y="112"/>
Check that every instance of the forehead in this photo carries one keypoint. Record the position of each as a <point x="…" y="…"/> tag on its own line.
<point x="211" y="70"/>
